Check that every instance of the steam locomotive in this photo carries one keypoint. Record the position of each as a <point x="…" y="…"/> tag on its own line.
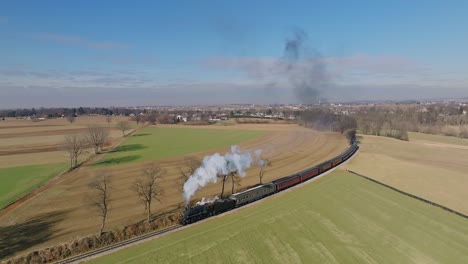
<point x="213" y="207"/>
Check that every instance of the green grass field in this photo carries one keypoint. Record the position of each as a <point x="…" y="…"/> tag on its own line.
<point x="17" y="181"/>
<point x="159" y="143"/>
<point x="340" y="218"/>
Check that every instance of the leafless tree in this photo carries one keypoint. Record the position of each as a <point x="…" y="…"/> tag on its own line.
<point x="75" y="146"/>
<point x="108" y="119"/>
<point x="97" y="137"/>
<point x="137" y="119"/>
<point x="223" y="178"/>
<point x="262" y="164"/>
<point x="235" y="180"/>
<point x="147" y="187"/>
<point x="71" y="118"/>
<point x="123" y="126"/>
<point x="151" y="119"/>
<point x="190" y="164"/>
<point x="100" y="198"/>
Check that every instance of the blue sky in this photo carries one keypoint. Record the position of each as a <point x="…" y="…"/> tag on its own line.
<point x="70" y="53"/>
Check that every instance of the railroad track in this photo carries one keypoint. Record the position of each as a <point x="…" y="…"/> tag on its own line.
<point x="123" y="244"/>
<point x="120" y="245"/>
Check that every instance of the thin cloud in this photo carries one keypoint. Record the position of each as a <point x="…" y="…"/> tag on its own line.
<point x="77" y="40"/>
<point x="383" y="64"/>
<point x="29" y="73"/>
<point x="19" y="96"/>
<point x="359" y="68"/>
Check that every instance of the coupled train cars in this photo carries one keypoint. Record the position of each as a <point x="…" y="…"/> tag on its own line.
<point x="218" y="206"/>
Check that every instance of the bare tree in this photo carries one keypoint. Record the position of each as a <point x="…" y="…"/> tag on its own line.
<point x="97" y="137"/>
<point x="108" y="119"/>
<point x="223" y="178"/>
<point x="263" y="163"/>
<point x="235" y="180"/>
<point x="75" y="146"/>
<point x="123" y="126"/>
<point x="151" y="118"/>
<point x="137" y="119"/>
<point x="190" y="165"/>
<point x="71" y="118"/>
<point x="100" y="198"/>
<point x="147" y="187"/>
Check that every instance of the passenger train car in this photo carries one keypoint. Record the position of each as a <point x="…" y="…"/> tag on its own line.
<point x="219" y="206"/>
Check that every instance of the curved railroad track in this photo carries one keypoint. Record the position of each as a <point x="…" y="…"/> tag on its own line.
<point x="139" y="239"/>
<point x="116" y="246"/>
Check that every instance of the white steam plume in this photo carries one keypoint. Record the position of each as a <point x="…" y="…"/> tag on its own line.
<point x="214" y="165"/>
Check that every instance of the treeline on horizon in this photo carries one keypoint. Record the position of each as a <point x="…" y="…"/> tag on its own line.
<point x="60" y="112"/>
<point x="447" y="120"/>
<point x="326" y="119"/>
<point x="381" y="120"/>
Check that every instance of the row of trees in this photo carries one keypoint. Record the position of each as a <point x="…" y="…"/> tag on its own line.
<point x="382" y="124"/>
<point x="150" y="118"/>
<point x="95" y="137"/>
<point x="146" y="187"/>
<point x="76" y="145"/>
<point x="59" y="112"/>
<point x="395" y="121"/>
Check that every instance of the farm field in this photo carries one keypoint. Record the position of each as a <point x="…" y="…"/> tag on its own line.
<point x="290" y="148"/>
<point x="17" y="181"/>
<point x="31" y="153"/>
<point x="339" y="218"/>
<point x="154" y="143"/>
<point x="432" y="167"/>
<point x="414" y="136"/>
<point x="24" y="142"/>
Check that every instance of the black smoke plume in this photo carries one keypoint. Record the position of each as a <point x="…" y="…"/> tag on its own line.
<point x="305" y="69"/>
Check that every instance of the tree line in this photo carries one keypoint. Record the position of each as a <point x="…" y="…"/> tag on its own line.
<point x="321" y="118"/>
<point x="440" y="119"/>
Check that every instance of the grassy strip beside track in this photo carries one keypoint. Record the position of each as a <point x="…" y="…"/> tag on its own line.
<point x="337" y="219"/>
<point x="17" y="181"/>
<point x="159" y="143"/>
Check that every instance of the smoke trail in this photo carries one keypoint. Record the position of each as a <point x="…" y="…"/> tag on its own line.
<point x="258" y="158"/>
<point x="305" y="71"/>
<point x="215" y="165"/>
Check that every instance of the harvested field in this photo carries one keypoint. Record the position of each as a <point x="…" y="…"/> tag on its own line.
<point x="414" y="136"/>
<point x="24" y="142"/>
<point x="339" y="218"/>
<point x="431" y="167"/>
<point x="290" y="148"/>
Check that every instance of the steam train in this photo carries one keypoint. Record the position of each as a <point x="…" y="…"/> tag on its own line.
<point x="218" y="206"/>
